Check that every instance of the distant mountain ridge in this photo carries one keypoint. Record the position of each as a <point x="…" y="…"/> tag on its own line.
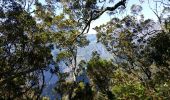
<point x="84" y="53"/>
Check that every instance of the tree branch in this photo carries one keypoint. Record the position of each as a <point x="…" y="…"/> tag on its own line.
<point x="18" y="74"/>
<point x="99" y="13"/>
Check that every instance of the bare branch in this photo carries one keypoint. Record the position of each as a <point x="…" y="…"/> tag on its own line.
<point x="155" y="12"/>
<point x="161" y="1"/>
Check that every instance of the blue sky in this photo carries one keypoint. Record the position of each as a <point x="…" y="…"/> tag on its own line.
<point x="146" y="11"/>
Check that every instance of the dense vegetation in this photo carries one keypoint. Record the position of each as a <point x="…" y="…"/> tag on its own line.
<point x="31" y="29"/>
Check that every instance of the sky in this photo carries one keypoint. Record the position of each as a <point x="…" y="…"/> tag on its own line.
<point x="146" y="11"/>
<point x="105" y="18"/>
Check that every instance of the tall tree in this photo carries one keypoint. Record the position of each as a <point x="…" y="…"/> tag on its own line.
<point x="23" y="53"/>
<point x="140" y="49"/>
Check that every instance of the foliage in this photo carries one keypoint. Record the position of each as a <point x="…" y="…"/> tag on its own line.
<point x="127" y="86"/>
<point x="31" y="29"/>
<point x="141" y="51"/>
<point x="23" y="54"/>
<point x="100" y="73"/>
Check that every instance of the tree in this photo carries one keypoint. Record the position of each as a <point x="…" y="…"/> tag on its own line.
<point x="111" y="82"/>
<point x="67" y="56"/>
<point x="24" y="49"/>
<point x="86" y="11"/>
<point x="30" y="29"/>
<point x="141" y="50"/>
<point x="100" y="73"/>
<point x="24" y="54"/>
<point x="75" y="19"/>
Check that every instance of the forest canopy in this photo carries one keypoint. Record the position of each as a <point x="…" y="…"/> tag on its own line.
<point x="138" y="65"/>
